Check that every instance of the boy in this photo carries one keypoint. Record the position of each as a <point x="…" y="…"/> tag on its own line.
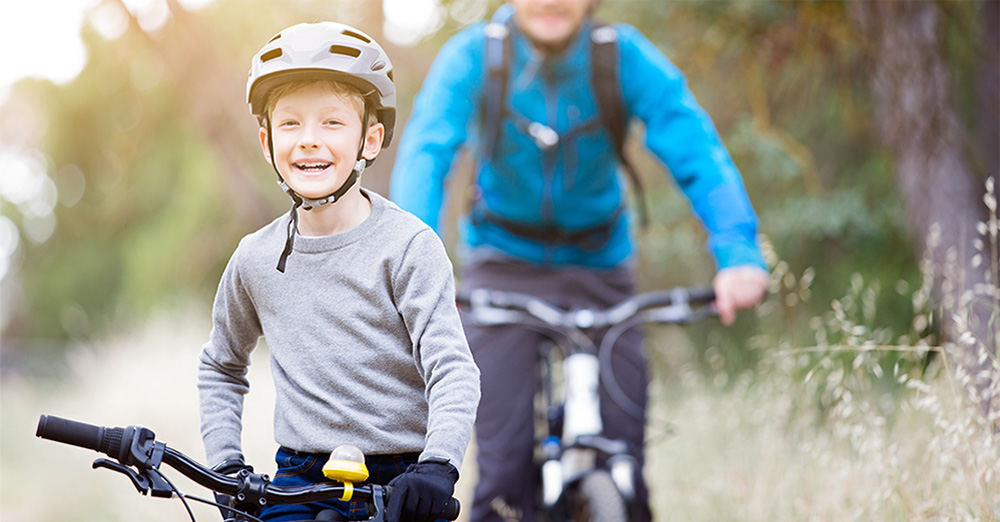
<point x="366" y="344"/>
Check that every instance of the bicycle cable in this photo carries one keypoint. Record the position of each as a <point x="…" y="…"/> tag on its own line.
<point x="610" y="382"/>
<point x="230" y="509"/>
<point x="177" y="492"/>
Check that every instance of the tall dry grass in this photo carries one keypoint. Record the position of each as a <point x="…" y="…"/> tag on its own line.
<point x="767" y="449"/>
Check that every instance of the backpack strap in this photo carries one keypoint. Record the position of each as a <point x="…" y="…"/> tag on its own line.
<point x="498" y="48"/>
<point x="604" y="79"/>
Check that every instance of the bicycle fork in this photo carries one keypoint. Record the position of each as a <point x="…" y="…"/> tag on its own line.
<point x="570" y="458"/>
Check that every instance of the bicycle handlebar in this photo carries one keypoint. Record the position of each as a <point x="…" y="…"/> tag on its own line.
<point x="136" y="446"/>
<point x="680" y="299"/>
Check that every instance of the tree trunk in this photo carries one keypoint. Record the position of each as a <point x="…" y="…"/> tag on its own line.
<point x="942" y="195"/>
<point x="988" y="92"/>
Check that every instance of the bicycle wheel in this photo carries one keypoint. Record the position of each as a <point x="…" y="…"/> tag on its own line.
<point x="595" y="498"/>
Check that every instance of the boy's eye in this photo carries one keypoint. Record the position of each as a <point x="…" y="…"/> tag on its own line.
<point x="288" y="123"/>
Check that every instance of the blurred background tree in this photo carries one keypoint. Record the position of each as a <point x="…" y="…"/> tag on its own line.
<point x="148" y="171"/>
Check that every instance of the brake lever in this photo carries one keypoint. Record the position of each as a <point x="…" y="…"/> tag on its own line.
<point x="140" y="482"/>
<point x="144" y="483"/>
<point x="378" y="501"/>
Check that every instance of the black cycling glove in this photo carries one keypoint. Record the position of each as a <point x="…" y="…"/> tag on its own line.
<point x="422" y="492"/>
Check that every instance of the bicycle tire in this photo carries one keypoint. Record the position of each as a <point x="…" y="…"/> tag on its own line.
<point x="595" y="498"/>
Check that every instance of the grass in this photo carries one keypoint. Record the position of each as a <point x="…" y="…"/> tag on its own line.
<point x="761" y="449"/>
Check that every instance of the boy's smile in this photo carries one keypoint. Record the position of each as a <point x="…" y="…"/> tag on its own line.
<point x="313" y="167"/>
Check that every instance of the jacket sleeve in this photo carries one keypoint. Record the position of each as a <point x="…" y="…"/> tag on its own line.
<point x="222" y="367"/>
<point x="438" y="126"/>
<point x="681" y="134"/>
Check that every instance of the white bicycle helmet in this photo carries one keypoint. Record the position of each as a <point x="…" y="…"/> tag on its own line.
<point x="325" y="50"/>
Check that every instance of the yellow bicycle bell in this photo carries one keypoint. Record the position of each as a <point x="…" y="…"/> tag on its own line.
<point x="346" y="464"/>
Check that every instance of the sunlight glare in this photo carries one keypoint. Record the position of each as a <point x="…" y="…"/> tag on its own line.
<point x="408" y="21"/>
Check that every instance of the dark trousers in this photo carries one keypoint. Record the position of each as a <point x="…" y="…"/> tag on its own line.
<point x="296" y="468"/>
<point x="508" y="360"/>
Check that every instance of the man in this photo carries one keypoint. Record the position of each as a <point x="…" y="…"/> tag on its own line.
<point x="547" y="216"/>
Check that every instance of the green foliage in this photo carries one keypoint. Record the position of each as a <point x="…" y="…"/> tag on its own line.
<point x="151" y="191"/>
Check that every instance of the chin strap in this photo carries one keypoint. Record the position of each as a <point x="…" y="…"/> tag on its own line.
<point x="293" y="223"/>
<point x="309" y="204"/>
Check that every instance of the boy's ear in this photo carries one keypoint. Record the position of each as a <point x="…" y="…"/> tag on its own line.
<point x="373" y="141"/>
<point x="263" y="144"/>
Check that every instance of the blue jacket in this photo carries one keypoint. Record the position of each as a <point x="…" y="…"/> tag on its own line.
<point x="576" y="185"/>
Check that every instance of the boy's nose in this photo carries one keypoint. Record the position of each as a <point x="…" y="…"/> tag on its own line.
<point x="308" y="138"/>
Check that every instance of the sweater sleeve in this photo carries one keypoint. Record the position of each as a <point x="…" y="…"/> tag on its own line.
<point x="424" y="290"/>
<point x="438" y="126"/>
<point x="222" y="366"/>
<point x="681" y="134"/>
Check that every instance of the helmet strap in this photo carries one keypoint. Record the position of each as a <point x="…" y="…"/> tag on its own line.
<point x="293" y="223"/>
<point x="299" y="200"/>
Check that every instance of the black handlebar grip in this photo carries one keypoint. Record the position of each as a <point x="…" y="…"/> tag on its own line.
<point x="452" y="509"/>
<point x="97" y="438"/>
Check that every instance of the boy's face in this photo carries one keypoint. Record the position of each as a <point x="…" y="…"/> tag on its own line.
<point x="316" y="139"/>
<point x="550" y="24"/>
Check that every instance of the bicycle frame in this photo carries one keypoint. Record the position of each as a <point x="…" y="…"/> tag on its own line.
<point x="572" y="451"/>
<point x="573" y="438"/>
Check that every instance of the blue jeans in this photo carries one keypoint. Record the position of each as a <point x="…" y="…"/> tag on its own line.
<point x="296" y="468"/>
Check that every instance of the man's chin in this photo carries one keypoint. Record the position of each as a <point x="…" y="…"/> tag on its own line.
<point x="543" y="40"/>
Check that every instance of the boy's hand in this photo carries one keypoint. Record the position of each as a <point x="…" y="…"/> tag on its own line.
<point x="737" y="288"/>
<point x="422" y="492"/>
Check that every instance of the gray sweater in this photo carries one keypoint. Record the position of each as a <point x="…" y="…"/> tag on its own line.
<point x="365" y="342"/>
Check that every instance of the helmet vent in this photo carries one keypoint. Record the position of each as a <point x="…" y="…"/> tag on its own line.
<point x="361" y="37"/>
<point x="389" y="74"/>
<point x="270" y="55"/>
<point x="275" y="38"/>
<point x="344" y="50"/>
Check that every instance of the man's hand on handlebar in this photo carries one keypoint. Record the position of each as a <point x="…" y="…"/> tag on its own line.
<point x="738" y="288"/>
